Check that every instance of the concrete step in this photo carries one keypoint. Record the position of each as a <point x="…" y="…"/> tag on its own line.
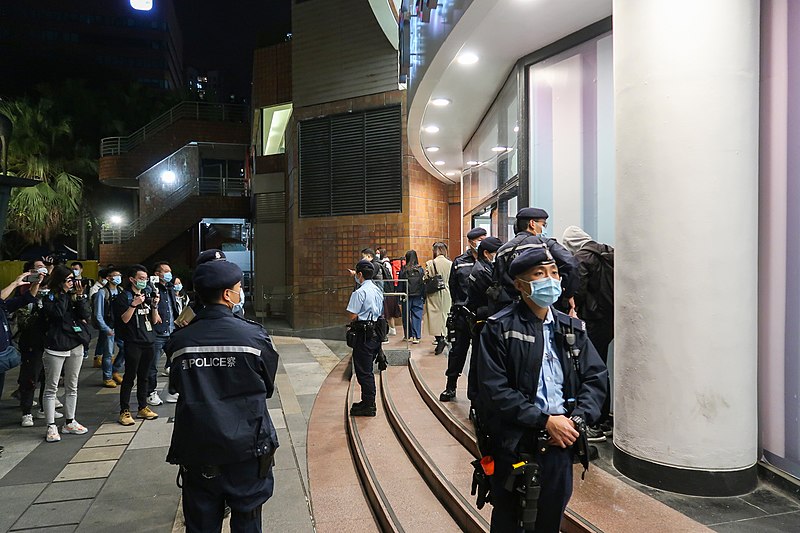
<point x="400" y="498"/>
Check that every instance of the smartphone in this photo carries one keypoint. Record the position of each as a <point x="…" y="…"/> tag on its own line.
<point x="31" y="278"/>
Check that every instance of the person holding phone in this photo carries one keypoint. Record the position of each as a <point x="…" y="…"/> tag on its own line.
<point x="66" y="310"/>
<point x="135" y="313"/>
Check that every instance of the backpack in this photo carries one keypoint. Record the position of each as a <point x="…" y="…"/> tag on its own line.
<point x="415" y="285"/>
<point x="386" y="272"/>
<point x="600" y="287"/>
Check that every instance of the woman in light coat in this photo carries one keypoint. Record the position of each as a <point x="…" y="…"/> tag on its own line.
<point x="437" y="304"/>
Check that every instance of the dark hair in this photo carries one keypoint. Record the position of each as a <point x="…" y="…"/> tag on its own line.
<point x="366" y="270"/>
<point x="58" y="277"/>
<point x="411" y="259"/>
<point x="132" y="274"/>
<point x="210" y="296"/>
<point x="382" y="251"/>
<point x="76" y="263"/>
<point x="368" y="251"/>
<point x="439" y="248"/>
<point x="103" y="272"/>
<point x="27" y="266"/>
<point x="159" y="264"/>
<point x="520" y="224"/>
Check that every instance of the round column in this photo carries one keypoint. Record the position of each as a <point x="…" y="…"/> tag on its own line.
<point x="686" y="76"/>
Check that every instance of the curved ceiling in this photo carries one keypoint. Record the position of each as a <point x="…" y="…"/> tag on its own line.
<point x="498" y="33"/>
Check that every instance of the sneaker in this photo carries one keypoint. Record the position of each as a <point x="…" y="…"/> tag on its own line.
<point x="447" y="395"/>
<point x="40" y="414"/>
<point x="97" y="363"/>
<point x="116" y="376"/>
<point x="125" y="418"/>
<point x="147" y="414"/>
<point x="440" y="346"/>
<point x="363" y="409"/>
<point x="595" y="434"/>
<point x="154" y="399"/>
<point x="607" y="428"/>
<point x="59" y="405"/>
<point x="392" y="331"/>
<point x="386" y="340"/>
<point x="27" y="421"/>
<point x="109" y="383"/>
<point x="414" y="341"/>
<point x="165" y="372"/>
<point x="52" y="434"/>
<point x="169" y="397"/>
<point x="74" y="427"/>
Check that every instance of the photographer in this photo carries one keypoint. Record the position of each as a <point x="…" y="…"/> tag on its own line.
<point x="135" y="313"/>
<point x="66" y="309"/>
<point x="168" y="311"/>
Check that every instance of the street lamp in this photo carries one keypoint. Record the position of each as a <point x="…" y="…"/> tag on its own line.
<point x="116" y="220"/>
<point x="168" y="177"/>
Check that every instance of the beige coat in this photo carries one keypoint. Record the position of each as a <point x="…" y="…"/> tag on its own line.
<point x="437" y="305"/>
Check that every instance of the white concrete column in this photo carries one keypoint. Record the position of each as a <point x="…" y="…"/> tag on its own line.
<point x="686" y="78"/>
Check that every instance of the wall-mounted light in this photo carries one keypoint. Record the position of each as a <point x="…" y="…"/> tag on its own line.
<point x="168" y="177"/>
<point x="142" y="5"/>
<point x="116" y="219"/>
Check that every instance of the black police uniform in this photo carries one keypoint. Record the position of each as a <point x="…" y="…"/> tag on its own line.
<point x="509" y="365"/>
<point x="480" y="279"/>
<point x="458" y="285"/>
<point x="223" y="368"/>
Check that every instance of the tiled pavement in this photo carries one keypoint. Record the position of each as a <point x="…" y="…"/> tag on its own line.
<point x="117" y="476"/>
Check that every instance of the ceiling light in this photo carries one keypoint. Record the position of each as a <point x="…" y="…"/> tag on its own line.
<point x="451" y="173"/>
<point x="516" y="129"/>
<point x="440" y="102"/>
<point x="499" y="149"/>
<point x="467" y="58"/>
<point x="472" y="163"/>
<point x="431" y="129"/>
<point x="438" y="163"/>
<point x="432" y="148"/>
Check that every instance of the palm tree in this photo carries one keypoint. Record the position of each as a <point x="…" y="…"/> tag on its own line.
<point x="42" y="148"/>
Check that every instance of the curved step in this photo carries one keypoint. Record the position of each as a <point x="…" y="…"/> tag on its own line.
<point x="442" y="461"/>
<point x="401" y="499"/>
<point x="337" y="500"/>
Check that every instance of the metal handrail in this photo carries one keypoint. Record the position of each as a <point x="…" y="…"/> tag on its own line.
<point x="184" y="110"/>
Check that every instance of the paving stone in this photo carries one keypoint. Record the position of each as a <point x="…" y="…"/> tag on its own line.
<point x="287" y="510"/>
<point x="154" y="434"/>
<point x="98" y="454"/>
<point x="131" y="514"/>
<point x="71" y="490"/>
<point x="306" y="378"/>
<point x="53" y="514"/>
<point x="58" y="529"/>
<point x="113" y="427"/>
<point x="96" y="469"/>
<point x="15" y="499"/>
<point x="111" y="439"/>
<point x="147" y="468"/>
<point x="277" y="418"/>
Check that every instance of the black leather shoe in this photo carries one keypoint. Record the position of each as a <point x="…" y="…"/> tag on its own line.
<point x="448" y="395"/>
<point x="363" y="409"/>
<point x="440" y="346"/>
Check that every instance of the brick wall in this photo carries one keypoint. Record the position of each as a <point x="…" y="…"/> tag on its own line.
<point x="272" y="75"/>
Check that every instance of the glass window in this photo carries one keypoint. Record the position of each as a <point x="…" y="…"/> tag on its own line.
<point x="273" y="129"/>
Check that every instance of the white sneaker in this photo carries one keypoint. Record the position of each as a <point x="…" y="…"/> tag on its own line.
<point x="59" y="405"/>
<point x="27" y="421"/>
<point x="40" y="414"/>
<point x="154" y="399"/>
<point x="165" y="372"/>
<point x="169" y="397"/>
<point x="52" y="434"/>
<point x="74" y="427"/>
<point x="392" y="331"/>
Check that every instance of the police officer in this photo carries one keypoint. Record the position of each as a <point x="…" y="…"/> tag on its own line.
<point x="531" y="226"/>
<point x="223" y="368"/>
<point x="458" y="284"/>
<point x="480" y="279"/>
<point x="365" y="308"/>
<point x="539" y="379"/>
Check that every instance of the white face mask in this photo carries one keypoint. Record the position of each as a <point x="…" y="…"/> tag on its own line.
<point x="42" y="270"/>
<point x="238" y="307"/>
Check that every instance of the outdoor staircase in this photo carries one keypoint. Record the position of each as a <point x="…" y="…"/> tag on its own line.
<point x="408" y="468"/>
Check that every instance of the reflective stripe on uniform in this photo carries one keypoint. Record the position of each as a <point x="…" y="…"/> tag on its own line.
<point x="217" y="349"/>
<point x="519" y="336"/>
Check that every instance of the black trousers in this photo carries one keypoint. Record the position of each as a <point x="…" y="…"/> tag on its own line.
<point x="457" y="356"/>
<point x="364" y="353"/>
<point x="137" y="368"/>
<point x="29" y="371"/>
<point x="472" y="374"/>
<point x="601" y="333"/>
<point x="238" y="485"/>
<point x="556" y="489"/>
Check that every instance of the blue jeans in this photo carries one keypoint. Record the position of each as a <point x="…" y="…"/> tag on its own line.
<point x="158" y="346"/>
<point x="415" y="303"/>
<point x="107" y="346"/>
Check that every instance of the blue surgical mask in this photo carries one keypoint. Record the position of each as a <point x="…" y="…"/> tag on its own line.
<point x="141" y="284"/>
<point x="76" y="273"/>
<point x="178" y="288"/>
<point x="167" y="277"/>
<point x="116" y="280"/>
<point x="238" y="307"/>
<point x="545" y="292"/>
<point x="356" y="278"/>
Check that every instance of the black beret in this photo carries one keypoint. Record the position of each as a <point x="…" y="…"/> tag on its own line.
<point x="209" y="255"/>
<point x="475" y="233"/>
<point x="365" y="266"/>
<point x="530" y="258"/>
<point x="216" y="274"/>
<point x="532" y="213"/>
<point x="490" y="244"/>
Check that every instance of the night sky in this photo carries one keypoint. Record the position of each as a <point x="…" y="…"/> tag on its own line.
<point x="221" y="35"/>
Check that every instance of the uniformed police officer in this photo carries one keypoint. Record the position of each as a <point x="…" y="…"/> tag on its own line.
<point x="223" y="368"/>
<point x="539" y="378"/>
<point x="458" y="284"/>
<point x="531" y="225"/>
<point x="365" y="308"/>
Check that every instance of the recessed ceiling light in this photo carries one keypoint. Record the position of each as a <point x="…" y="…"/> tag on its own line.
<point x="440" y="102"/>
<point x="499" y="149"/>
<point x="516" y="129"/>
<point x="467" y="58"/>
<point x="431" y="129"/>
<point x="451" y="173"/>
<point x="472" y="162"/>
<point x="438" y="163"/>
<point x="432" y="148"/>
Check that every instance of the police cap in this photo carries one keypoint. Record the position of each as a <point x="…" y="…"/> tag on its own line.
<point x="216" y="273"/>
<point x="490" y="244"/>
<point x="528" y="259"/>
<point x="532" y="213"/>
<point x="209" y="255"/>
<point x="475" y="233"/>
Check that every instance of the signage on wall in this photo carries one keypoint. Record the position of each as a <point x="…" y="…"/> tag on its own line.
<point x="142" y="5"/>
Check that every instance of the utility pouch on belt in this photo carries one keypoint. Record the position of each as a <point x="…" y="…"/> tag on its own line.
<point x="524" y="483"/>
<point x="265" y="462"/>
<point x="581" y="446"/>
<point x="450" y="324"/>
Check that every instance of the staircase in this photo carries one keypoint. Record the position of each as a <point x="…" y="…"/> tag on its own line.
<point x="408" y="468"/>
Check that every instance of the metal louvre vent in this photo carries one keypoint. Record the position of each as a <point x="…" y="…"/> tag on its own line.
<point x="270" y="207"/>
<point x="351" y="164"/>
